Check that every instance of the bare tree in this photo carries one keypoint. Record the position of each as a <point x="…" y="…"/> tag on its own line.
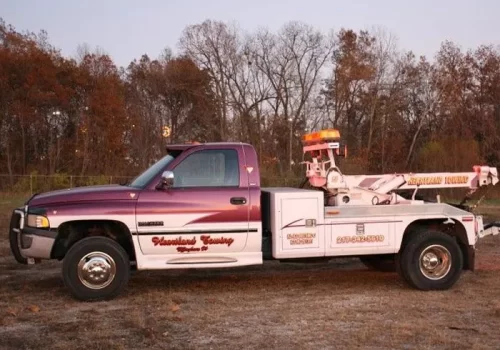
<point x="292" y="61"/>
<point x="212" y="45"/>
<point x="384" y="50"/>
<point x="423" y="99"/>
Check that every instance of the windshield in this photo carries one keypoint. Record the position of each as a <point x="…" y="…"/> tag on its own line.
<point x="142" y="180"/>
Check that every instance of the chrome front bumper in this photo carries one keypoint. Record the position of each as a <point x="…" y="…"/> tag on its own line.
<point x="28" y="243"/>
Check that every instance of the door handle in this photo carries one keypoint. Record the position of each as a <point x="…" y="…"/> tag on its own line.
<point x="238" y="200"/>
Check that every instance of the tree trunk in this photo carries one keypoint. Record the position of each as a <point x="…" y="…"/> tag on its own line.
<point x="23" y="146"/>
<point x="259" y="126"/>
<point x="370" y="131"/>
<point x="413" y="142"/>
<point x="9" y="165"/>
<point x="382" y="155"/>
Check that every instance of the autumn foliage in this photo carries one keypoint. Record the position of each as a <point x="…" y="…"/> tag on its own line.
<point x="396" y="111"/>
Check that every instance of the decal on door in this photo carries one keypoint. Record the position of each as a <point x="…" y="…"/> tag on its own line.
<point x="186" y="245"/>
<point x="368" y="234"/>
<point x="300" y="238"/>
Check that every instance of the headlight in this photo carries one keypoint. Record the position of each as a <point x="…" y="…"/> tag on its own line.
<point x="38" y="221"/>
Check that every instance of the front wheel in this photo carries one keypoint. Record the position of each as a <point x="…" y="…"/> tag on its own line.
<point x="431" y="261"/>
<point x="96" y="268"/>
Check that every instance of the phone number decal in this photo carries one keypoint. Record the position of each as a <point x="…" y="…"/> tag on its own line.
<point x="360" y="239"/>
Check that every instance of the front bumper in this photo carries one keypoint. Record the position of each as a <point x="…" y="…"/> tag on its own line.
<point x="28" y="243"/>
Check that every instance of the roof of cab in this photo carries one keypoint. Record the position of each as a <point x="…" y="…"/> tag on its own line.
<point x="185" y="146"/>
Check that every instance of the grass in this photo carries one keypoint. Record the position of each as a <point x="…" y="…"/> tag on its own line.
<point x="339" y="305"/>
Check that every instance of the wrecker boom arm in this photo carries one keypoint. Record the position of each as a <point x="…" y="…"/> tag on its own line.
<point x="482" y="176"/>
<point x="323" y="172"/>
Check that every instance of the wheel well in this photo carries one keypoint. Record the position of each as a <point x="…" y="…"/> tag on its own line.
<point x="455" y="229"/>
<point x="72" y="231"/>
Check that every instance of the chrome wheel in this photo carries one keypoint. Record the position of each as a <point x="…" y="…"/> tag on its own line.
<point x="96" y="270"/>
<point x="435" y="262"/>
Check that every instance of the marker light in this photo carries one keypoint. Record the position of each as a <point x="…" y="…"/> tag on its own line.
<point x="325" y="135"/>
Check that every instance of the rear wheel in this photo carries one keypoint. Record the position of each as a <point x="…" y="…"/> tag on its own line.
<point x="431" y="261"/>
<point x="96" y="268"/>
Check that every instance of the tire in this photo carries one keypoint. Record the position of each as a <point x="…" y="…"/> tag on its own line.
<point x="431" y="260"/>
<point x="92" y="256"/>
<point x="384" y="263"/>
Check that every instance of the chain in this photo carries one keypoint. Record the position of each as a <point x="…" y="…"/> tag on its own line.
<point x="476" y="205"/>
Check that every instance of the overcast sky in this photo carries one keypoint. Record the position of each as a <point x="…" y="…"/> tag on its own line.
<point x="126" y="29"/>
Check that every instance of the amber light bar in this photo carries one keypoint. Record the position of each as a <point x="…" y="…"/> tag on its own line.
<point x="325" y="135"/>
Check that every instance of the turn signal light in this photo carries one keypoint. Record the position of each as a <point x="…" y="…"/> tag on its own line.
<point x="321" y="136"/>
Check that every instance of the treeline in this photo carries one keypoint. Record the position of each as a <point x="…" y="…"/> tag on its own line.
<point x="396" y="111"/>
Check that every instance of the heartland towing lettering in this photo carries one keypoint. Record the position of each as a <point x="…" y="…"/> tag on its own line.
<point x="176" y="241"/>
<point x="437" y="180"/>
<point x="207" y="240"/>
<point x="221" y="240"/>
<point x="456" y="179"/>
<point x="432" y="180"/>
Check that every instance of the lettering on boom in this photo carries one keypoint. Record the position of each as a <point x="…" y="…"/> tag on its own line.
<point x="300" y="238"/>
<point x="438" y="180"/>
<point x="456" y="180"/>
<point x="432" y="180"/>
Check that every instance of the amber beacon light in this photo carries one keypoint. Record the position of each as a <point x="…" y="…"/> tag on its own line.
<point x="326" y="135"/>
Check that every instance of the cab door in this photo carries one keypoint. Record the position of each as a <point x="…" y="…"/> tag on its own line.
<point x="204" y="215"/>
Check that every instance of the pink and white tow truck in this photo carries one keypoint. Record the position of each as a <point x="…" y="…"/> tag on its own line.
<point x="201" y="206"/>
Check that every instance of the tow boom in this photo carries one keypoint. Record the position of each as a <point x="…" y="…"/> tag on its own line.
<point x="323" y="172"/>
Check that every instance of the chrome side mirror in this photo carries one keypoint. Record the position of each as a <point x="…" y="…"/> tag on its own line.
<point x="167" y="179"/>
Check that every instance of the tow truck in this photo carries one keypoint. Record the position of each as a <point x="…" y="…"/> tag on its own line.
<point x="202" y="206"/>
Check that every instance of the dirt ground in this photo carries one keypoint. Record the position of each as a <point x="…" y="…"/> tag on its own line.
<point x="338" y="305"/>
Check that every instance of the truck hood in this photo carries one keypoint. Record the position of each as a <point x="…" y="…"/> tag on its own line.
<point x="88" y="193"/>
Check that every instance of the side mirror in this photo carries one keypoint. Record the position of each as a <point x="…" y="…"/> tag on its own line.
<point x="167" y="179"/>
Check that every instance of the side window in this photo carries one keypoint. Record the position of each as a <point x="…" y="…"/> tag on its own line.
<point x="209" y="168"/>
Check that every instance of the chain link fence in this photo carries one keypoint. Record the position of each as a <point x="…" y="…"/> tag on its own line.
<point x="30" y="184"/>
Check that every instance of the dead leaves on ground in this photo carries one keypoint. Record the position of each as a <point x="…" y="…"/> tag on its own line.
<point x="175" y="307"/>
<point x="15" y="312"/>
<point x="11" y="312"/>
<point x="33" y="308"/>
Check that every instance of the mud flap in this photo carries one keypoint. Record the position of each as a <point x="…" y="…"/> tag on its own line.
<point x="471" y="259"/>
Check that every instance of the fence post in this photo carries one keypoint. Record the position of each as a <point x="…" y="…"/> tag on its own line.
<point x="31" y="184"/>
<point x="71" y="181"/>
<point x="110" y="180"/>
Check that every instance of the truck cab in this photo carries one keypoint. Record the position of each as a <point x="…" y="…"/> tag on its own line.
<point x="200" y="206"/>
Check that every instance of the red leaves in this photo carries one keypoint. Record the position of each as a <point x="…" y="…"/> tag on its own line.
<point x="92" y="118"/>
